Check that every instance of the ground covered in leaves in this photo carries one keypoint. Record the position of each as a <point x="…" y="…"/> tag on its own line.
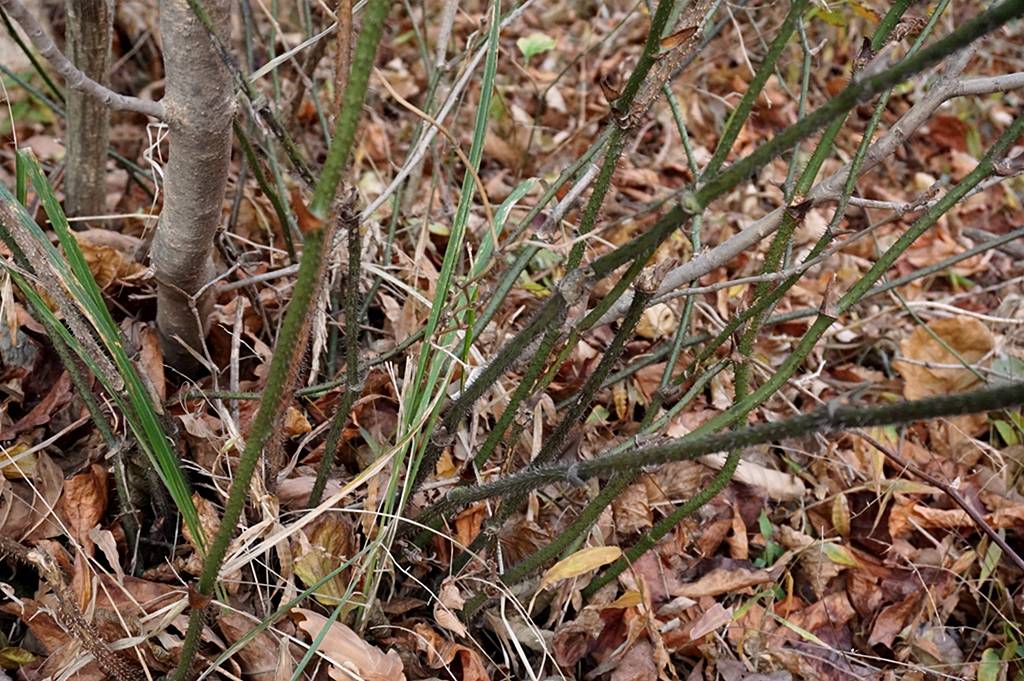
<point x="821" y="560"/>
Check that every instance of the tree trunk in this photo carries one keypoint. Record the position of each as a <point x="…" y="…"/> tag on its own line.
<point x="198" y="102"/>
<point x="88" y="29"/>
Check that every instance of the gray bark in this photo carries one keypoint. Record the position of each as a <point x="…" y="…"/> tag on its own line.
<point x="198" y="108"/>
<point x="87" y="34"/>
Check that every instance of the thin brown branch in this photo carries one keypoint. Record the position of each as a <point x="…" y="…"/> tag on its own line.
<point x="69" y="614"/>
<point x="949" y="491"/>
<point x="74" y="77"/>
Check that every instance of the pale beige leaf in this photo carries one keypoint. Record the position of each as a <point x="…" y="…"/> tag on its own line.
<point x="446" y="619"/>
<point x="776" y="484"/>
<point x="969" y="338"/>
<point x="721" y="580"/>
<point x="579" y="563"/>
<point x="347" y="651"/>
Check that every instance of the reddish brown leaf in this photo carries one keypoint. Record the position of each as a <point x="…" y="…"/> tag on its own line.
<point x="85" y="501"/>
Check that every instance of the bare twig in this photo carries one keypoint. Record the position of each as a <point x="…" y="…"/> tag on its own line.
<point x="74" y="77"/>
<point x="69" y="614"/>
<point x="949" y="491"/>
<point x="948" y="86"/>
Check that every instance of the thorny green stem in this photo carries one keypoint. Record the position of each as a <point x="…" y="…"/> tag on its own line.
<point x="348" y="220"/>
<point x="696" y="202"/>
<point x="523" y="389"/>
<point x="617" y="141"/>
<point x="291" y="343"/>
<point x="555" y="443"/>
<point x="791" y="219"/>
<point x="857" y="91"/>
<point x="830" y="418"/>
<point x="889" y="22"/>
<point x="618" y="482"/>
<point x="283" y="215"/>
<point x="810" y="339"/>
<point x="763" y="300"/>
<point x="374" y="14"/>
<point x="729" y="134"/>
<point x="550" y="313"/>
<point x="560" y="182"/>
<point x="742" y="111"/>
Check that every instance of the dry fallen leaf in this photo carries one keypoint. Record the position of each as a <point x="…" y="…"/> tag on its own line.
<point x="295" y="423"/>
<point x="442" y="652"/>
<point x="632" y="510"/>
<point x="107" y="263"/>
<point x="326" y="546"/>
<point x="43" y="411"/>
<point x="85" y="501"/>
<point x="722" y="580"/>
<point x="449" y="600"/>
<point x="151" y="359"/>
<point x="637" y="664"/>
<point x="25" y="510"/>
<point x="967" y="336"/>
<point x="259" y="657"/>
<point x="349" y="653"/>
<point x="579" y="563"/>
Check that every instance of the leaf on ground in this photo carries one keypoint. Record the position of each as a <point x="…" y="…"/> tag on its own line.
<point x="350" y="653"/>
<point x="151" y="359"/>
<point x="637" y="664"/>
<point x="775" y="484"/>
<point x="632" y="510"/>
<point x="723" y="580"/>
<point x="43" y="411"/>
<point x="259" y="658"/>
<point x="107" y="263"/>
<point x="441" y="653"/>
<point x="85" y="501"/>
<point x="966" y="336"/>
<point x="449" y="599"/>
<point x="17" y="462"/>
<point x="892" y="620"/>
<point x="579" y="563"/>
<point x="325" y="548"/>
<point x="25" y="510"/>
<point x="209" y="520"/>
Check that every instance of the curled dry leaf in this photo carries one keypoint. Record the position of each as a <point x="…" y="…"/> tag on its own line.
<point x="441" y="653"/>
<point x="295" y="423"/>
<point x="259" y="658"/>
<point x="581" y="562"/>
<point x="968" y="337"/>
<point x="85" y="501"/>
<point x="637" y="664"/>
<point x="656" y="322"/>
<point x="632" y="510"/>
<point x="25" y="509"/>
<point x="151" y="359"/>
<point x="450" y="600"/>
<point x="209" y="520"/>
<point x="43" y="411"/>
<point x="893" y="618"/>
<point x="349" y="653"/>
<point x="108" y="263"/>
<point x="723" y="580"/>
<point x="326" y="547"/>
<point x="815" y="564"/>
<point x="18" y="461"/>
<point x="775" y="484"/>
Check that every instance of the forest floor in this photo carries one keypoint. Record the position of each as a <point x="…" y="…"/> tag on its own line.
<point x="822" y="559"/>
